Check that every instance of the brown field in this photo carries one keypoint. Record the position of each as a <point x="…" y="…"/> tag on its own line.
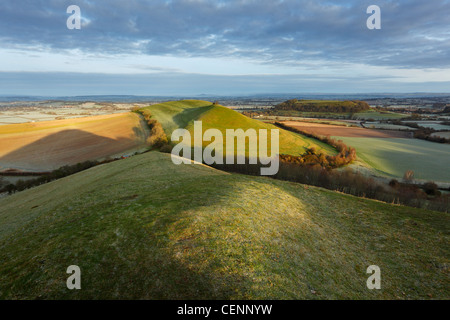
<point x="340" y="131"/>
<point x="48" y="145"/>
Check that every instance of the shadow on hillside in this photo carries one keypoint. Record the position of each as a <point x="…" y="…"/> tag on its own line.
<point x="131" y="243"/>
<point x="183" y="118"/>
<point x="66" y="148"/>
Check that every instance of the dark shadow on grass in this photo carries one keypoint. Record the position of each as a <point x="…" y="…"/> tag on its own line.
<point x="183" y="118"/>
<point x="123" y="244"/>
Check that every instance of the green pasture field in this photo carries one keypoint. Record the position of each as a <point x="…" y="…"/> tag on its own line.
<point x="393" y="156"/>
<point x="376" y="115"/>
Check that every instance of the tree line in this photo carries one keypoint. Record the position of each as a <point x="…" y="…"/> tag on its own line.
<point x="59" y="173"/>
<point x="317" y="170"/>
<point x="158" y="138"/>
<point x="424" y="133"/>
<point x="349" y="182"/>
<point x="345" y="156"/>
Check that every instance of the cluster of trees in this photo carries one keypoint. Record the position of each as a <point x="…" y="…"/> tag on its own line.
<point x="252" y="114"/>
<point x="323" y="106"/>
<point x="430" y="188"/>
<point x="427" y="134"/>
<point x="423" y="133"/>
<point x="158" y="138"/>
<point x="345" y="156"/>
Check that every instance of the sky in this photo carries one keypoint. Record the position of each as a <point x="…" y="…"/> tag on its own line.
<point x="236" y="47"/>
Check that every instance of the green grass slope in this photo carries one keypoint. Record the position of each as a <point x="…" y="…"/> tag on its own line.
<point x="145" y="228"/>
<point x="182" y="114"/>
<point x="394" y="156"/>
<point x="178" y="114"/>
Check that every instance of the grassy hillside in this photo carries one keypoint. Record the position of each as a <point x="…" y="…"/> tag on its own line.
<point x="178" y="114"/>
<point x="182" y="114"/>
<point x="145" y="228"/>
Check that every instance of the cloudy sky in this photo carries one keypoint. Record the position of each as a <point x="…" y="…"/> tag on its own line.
<point x="189" y="47"/>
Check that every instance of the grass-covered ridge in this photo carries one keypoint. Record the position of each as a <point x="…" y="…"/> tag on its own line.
<point x="182" y="114"/>
<point x="178" y="114"/>
<point x="145" y="228"/>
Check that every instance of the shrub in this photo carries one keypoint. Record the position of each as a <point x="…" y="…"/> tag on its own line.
<point x="431" y="188"/>
<point x="394" y="183"/>
<point x="166" y="148"/>
<point x="158" y="137"/>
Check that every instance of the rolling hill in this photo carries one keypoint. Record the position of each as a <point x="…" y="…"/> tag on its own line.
<point x="143" y="228"/>
<point x="182" y="114"/>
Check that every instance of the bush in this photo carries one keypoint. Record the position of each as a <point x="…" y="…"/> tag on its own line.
<point x="431" y="189"/>
<point x="158" y="137"/>
<point x="166" y="148"/>
<point x="394" y="183"/>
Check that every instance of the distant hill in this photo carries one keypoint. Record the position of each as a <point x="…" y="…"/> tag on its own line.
<point x="182" y="114"/>
<point x="144" y="228"/>
<point x="323" y="106"/>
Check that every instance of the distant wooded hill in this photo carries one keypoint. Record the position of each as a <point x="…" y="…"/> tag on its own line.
<point x="323" y="106"/>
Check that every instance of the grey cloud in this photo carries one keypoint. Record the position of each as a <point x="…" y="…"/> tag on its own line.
<point x="414" y="33"/>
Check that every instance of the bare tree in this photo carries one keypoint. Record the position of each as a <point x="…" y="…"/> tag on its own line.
<point x="408" y="176"/>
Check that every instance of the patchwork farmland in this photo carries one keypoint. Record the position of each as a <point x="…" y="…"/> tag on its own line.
<point x="389" y="153"/>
